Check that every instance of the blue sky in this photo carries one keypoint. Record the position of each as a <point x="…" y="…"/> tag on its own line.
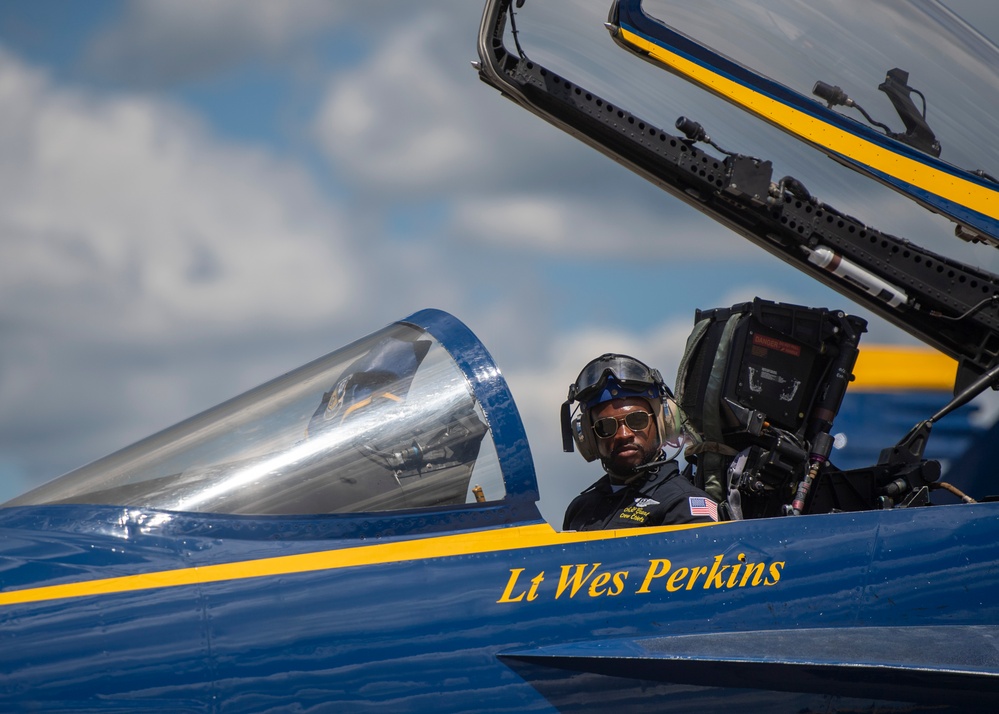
<point x="203" y="195"/>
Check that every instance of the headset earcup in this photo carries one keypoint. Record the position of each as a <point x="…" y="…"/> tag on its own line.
<point x="672" y="429"/>
<point x="582" y="433"/>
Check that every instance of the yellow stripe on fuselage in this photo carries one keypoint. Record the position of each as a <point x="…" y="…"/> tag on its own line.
<point x="490" y="541"/>
<point x="945" y="185"/>
<point x="899" y="368"/>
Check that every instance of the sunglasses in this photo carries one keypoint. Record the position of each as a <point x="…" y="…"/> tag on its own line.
<point x="607" y="427"/>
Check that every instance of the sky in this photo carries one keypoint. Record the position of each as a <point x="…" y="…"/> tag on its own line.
<point x="200" y="196"/>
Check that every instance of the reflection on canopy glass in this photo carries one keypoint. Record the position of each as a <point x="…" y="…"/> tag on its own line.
<point x="853" y="45"/>
<point x="387" y="423"/>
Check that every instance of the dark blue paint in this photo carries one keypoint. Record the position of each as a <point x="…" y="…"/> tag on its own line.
<point x="416" y="636"/>
<point x="872" y="420"/>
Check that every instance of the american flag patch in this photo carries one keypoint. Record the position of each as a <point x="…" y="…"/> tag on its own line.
<point x="700" y="506"/>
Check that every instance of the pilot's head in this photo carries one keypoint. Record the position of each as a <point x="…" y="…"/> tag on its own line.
<point x="623" y="415"/>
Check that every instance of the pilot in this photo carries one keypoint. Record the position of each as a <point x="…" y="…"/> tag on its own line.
<point x="625" y="418"/>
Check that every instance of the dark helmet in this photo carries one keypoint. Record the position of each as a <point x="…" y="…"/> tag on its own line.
<point x="614" y="376"/>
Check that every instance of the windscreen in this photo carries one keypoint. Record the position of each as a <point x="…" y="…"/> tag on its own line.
<point x="387" y="423"/>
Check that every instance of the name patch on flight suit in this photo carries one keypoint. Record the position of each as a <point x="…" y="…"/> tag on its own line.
<point x="638" y="512"/>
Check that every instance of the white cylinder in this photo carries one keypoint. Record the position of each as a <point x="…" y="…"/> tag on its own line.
<point x="863" y="279"/>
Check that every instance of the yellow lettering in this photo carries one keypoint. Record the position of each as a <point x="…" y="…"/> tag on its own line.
<point x="754" y="571"/>
<point x="733" y="577"/>
<point x="695" y="573"/>
<point x="599" y="582"/>
<point x="514" y="574"/>
<point x="618" y="587"/>
<point x="715" y="576"/>
<point x="657" y="569"/>
<point x="532" y="594"/>
<point x="674" y="584"/>
<point x="576" y="580"/>
<point x="775" y="569"/>
<point x="576" y="577"/>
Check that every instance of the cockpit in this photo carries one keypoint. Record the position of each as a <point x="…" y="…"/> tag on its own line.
<point x="391" y="422"/>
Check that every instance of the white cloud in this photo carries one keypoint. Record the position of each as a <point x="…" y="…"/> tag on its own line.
<point x="415" y="118"/>
<point x="398" y="120"/>
<point x="156" y="43"/>
<point x="517" y="221"/>
<point x="137" y="247"/>
<point x="128" y="205"/>
<point x="574" y="225"/>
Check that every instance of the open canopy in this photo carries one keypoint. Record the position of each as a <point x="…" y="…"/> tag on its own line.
<point x="896" y="89"/>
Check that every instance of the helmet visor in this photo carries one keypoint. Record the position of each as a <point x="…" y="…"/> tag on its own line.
<point x="628" y="372"/>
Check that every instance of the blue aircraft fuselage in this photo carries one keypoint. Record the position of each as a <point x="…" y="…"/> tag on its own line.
<point x="111" y="610"/>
